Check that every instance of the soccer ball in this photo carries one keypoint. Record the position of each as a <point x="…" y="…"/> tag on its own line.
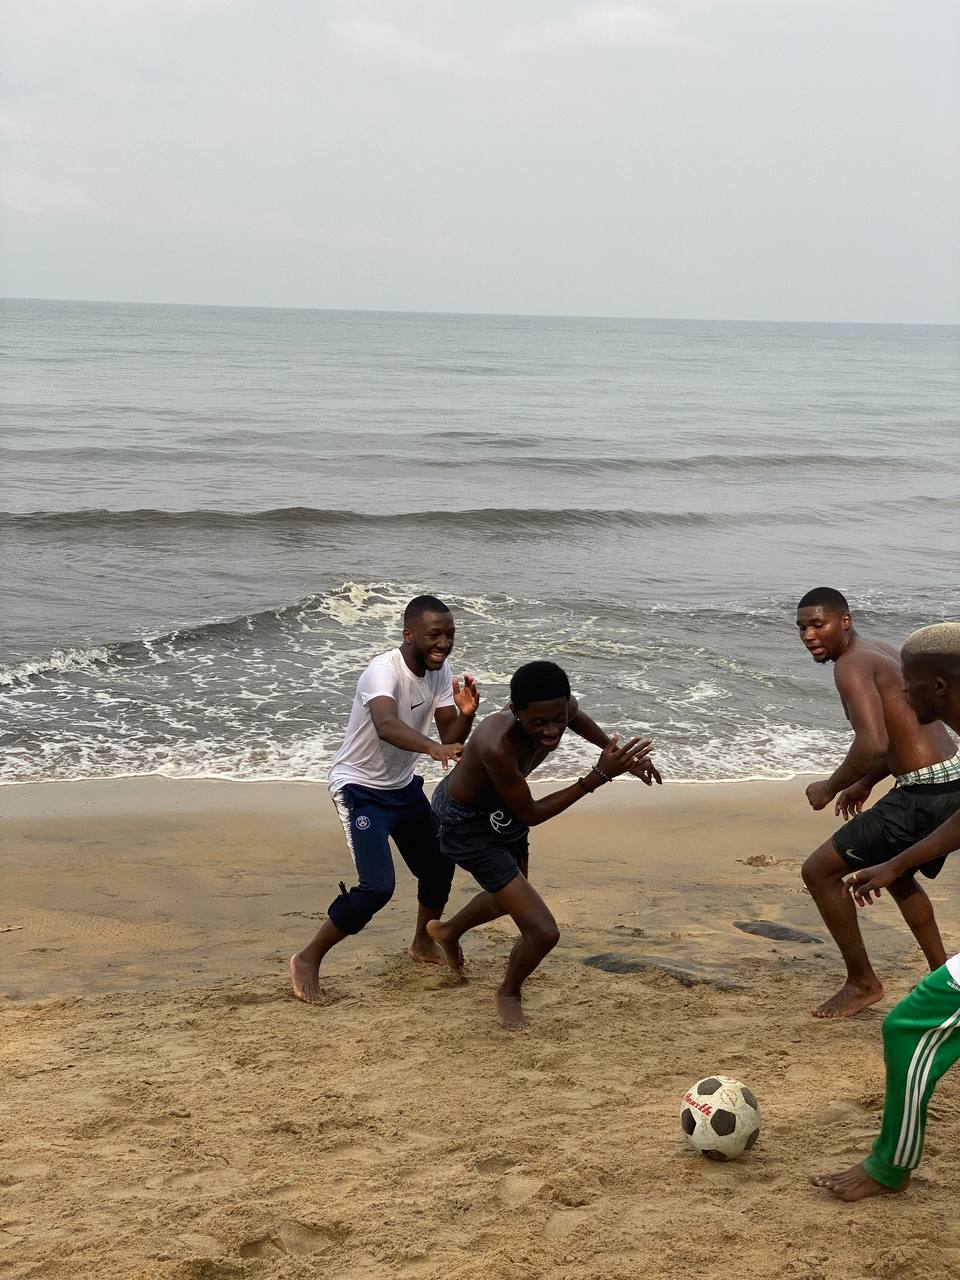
<point x="721" y="1117"/>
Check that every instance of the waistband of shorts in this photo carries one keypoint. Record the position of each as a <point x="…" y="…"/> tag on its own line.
<point x="946" y="774"/>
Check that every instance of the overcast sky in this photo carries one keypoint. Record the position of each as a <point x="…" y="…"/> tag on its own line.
<point x="754" y="159"/>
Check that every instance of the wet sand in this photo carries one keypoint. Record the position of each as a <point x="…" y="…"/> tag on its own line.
<point x="171" y="1111"/>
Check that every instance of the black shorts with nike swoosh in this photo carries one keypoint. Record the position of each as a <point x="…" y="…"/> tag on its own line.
<point x="492" y="846"/>
<point x="901" y="818"/>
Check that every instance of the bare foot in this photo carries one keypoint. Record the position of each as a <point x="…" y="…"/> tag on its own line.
<point x="848" y="1001"/>
<point x="855" y="1184"/>
<point x="426" y="953"/>
<point x="305" y="979"/>
<point x="450" y="952"/>
<point x="510" y="1011"/>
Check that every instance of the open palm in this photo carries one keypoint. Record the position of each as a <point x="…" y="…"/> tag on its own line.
<point x="466" y="696"/>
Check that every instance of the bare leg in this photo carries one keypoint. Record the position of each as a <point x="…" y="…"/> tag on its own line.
<point x="305" y="965"/>
<point x="423" y="949"/>
<point x="538" y="936"/>
<point x="479" y="910"/>
<point x="823" y="874"/>
<point x="917" y="909"/>
<point x="854" y="1184"/>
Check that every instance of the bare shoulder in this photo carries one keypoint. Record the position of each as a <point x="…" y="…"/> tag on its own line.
<point x="856" y="668"/>
<point x="491" y="734"/>
<point x="883" y="657"/>
<point x="870" y="661"/>
<point x="888" y="650"/>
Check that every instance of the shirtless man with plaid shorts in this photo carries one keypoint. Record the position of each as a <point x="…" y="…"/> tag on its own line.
<point x="888" y="739"/>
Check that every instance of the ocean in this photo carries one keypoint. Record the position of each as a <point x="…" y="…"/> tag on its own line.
<point x="212" y="518"/>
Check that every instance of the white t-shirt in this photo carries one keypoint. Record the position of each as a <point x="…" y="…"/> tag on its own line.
<point x="953" y="967"/>
<point x="364" y="757"/>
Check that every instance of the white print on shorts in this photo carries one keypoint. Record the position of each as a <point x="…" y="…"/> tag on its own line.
<point x="362" y="822"/>
<point x="499" y="820"/>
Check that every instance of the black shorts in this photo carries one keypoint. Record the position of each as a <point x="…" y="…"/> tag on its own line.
<point x="493" y="847"/>
<point x="898" y="820"/>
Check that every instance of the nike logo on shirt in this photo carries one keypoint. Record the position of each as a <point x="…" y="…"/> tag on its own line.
<point x="414" y="705"/>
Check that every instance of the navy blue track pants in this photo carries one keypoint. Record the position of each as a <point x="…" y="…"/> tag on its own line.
<point x="371" y="818"/>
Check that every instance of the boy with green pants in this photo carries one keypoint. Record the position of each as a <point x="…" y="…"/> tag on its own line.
<point x="921" y="1036"/>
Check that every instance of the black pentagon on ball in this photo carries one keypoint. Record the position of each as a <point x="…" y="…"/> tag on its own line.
<point x="750" y="1098"/>
<point x="714" y="1155"/>
<point x="723" y="1122"/>
<point x="708" y="1086"/>
<point x="687" y="1121"/>
<point x="752" y="1140"/>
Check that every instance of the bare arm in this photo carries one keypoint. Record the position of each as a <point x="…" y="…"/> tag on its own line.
<point x="876" y="774"/>
<point x="584" y="727"/>
<point x="851" y="799"/>
<point x="946" y="839"/>
<point x="390" y="728"/>
<point x="590" y="731"/>
<point x="868" y="751"/>
<point x="511" y="785"/>
<point x="454" y="723"/>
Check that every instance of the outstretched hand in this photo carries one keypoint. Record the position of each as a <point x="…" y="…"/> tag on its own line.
<point x="615" y="759"/>
<point x="648" y="773"/>
<point x="870" y="881"/>
<point x="446" y="753"/>
<point x="467" y="696"/>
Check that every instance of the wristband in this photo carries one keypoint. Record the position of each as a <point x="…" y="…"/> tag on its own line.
<point x="600" y="774"/>
<point x="584" y="788"/>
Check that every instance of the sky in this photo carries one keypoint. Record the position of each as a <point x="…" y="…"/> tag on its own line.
<point x="731" y="159"/>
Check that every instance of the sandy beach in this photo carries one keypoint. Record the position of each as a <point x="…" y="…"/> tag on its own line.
<point x="169" y="1111"/>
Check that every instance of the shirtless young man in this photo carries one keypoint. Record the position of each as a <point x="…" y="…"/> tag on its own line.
<point x="376" y="793"/>
<point x="888" y="739"/>
<point x="484" y="809"/>
<point x="921" y="1035"/>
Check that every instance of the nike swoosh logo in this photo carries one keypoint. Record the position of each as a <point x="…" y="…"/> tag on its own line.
<point x="414" y="705"/>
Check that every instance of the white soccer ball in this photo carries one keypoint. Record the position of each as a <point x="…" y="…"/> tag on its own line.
<point x="721" y="1117"/>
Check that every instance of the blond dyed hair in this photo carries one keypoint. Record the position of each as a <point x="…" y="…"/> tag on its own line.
<point x="942" y="640"/>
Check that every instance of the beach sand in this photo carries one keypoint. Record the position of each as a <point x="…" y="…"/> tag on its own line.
<point x="169" y="1111"/>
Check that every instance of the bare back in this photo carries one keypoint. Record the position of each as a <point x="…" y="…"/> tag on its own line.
<point x="910" y="744"/>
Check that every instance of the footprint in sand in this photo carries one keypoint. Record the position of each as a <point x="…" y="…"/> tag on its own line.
<point x="293" y="1237"/>
<point x="263" y="1247"/>
<point x="518" y="1188"/>
<point x="199" y="1243"/>
<point x="495" y="1164"/>
<point x="563" y="1222"/>
<point x="210" y="1180"/>
<point x="20" y="1173"/>
<point x="839" y="1113"/>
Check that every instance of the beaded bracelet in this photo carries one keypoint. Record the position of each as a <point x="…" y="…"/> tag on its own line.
<point x="600" y="774"/>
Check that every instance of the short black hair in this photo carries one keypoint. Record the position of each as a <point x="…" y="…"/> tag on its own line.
<point x="826" y="596"/>
<point x="423" y="604"/>
<point x="538" y="682"/>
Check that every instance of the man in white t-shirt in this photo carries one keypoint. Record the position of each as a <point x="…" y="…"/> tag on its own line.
<point x="377" y="795"/>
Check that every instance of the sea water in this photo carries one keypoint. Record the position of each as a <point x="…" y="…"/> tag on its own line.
<point x="212" y="518"/>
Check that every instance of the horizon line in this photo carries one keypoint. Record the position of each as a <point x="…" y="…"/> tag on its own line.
<point x="506" y="315"/>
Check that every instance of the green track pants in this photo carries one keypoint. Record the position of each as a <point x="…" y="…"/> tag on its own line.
<point x="921" y="1040"/>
